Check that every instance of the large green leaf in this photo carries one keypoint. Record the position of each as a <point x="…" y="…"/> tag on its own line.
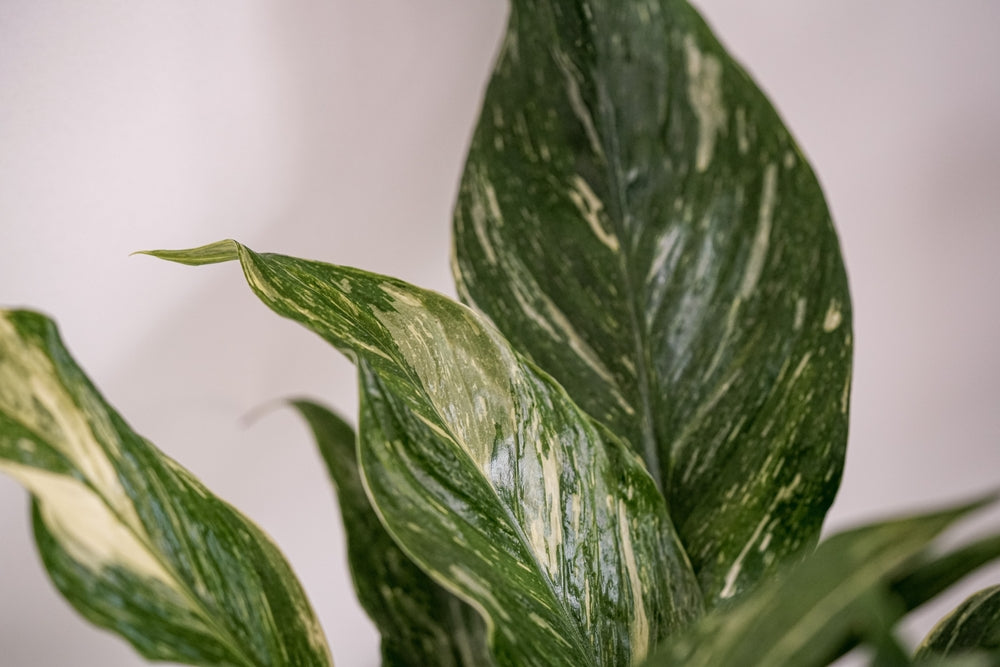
<point x="131" y="539"/>
<point x="636" y="219"/>
<point x="487" y="475"/>
<point x="810" y="614"/>
<point x="421" y="623"/>
<point x="973" y="625"/>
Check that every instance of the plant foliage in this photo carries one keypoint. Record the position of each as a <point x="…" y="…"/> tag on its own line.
<point x="619" y="449"/>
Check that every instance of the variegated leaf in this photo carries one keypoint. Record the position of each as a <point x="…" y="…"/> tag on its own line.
<point x="131" y="539"/>
<point x="421" y="623"/>
<point x="487" y="475"/>
<point x="973" y="626"/>
<point x="636" y="219"/>
<point x="810" y="614"/>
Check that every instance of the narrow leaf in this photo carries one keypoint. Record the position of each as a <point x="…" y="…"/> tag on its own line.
<point x="924" y="578"/>
<point x="973" y="625"/>
<point x="213" y="253"/>
<point x="809" y="614"/>
<point x="132" y="540"/>
<point x="635" y="218"/>
<point x="421" y="623"/>
<point x="489" y="477"/>
<point x="927" y="579"/>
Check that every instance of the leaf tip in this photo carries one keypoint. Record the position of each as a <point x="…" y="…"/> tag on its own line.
<point x="213" y="253"/>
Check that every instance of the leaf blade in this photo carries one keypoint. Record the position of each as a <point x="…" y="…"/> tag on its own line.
<point x="420" y="622"/>
<point x="439" y="374"/>
<point x="972" y="626"/>
<point x="634" y="216"/>
<point x="811" y="613"/>
<point x="130" y="538"/>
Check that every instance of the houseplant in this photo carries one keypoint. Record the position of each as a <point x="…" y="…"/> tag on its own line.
<point x="703" y="121"/>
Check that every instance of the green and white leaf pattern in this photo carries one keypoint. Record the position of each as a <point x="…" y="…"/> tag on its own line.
<point x="131" y="539"/>
<point x="488" y="476"/>
<point x="635" y="218"/>
<point x="974" y="625"/>
<point x="420" y="622"/>
<point x="809" y="615"/>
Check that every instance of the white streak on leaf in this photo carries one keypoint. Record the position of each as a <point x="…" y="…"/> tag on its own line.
<point x="732" y="576"/>
<point x="591" y="208"/>
<point x="530" y="296"/>
<point x="85" y="527"/>
<point x="725" y="343"/>
<point x="639" y="627"/>
<point x="480" y="589"/>
<point x="742" y="141"/>
<point x="665" y="246"/>
<point x="523" y="295"/>
<point x="800" y="312"/>
<point x="553" y="501"/>
<point x="29" y="389"/>
<point x="483" y="217"/>
<point x="762" y="239"/>
<point x="845" y="396"/>
<point x="705" y="91"/>
<point x="800" y="368"/>
<point x="576" y="102"/>
<point x="833" y="317"/>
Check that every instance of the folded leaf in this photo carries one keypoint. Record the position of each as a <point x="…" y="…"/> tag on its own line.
<point x="132" y="540"/>
<point x="809" y="614"/>
<point x="973" y="625"/>
<point x="636" y="219"/>
<point x="488" y="476"/>
<point x="421" y="623"/>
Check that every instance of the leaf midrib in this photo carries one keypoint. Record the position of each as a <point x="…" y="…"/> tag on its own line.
<point x="649" y="446"/>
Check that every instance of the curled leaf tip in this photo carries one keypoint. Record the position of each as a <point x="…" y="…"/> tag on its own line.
<point x="213" y="253"/>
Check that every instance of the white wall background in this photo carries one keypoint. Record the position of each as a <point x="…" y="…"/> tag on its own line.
<point x="335" y="130"/>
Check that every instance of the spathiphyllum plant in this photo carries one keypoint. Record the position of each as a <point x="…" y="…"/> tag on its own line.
<point x="618" y="449"/>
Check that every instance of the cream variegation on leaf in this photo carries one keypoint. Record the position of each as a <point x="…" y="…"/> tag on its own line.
<point x="129" y="537"/>
<point x="635" y="218"/>
<point x="487" y="474"/>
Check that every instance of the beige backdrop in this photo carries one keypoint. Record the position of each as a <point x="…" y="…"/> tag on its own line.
<point x="335" y="130"/>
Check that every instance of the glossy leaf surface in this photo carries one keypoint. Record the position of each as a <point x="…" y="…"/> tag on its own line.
<point x="421" y="623"/>
<point x="973" y="625"/>
<point x="133" y="541"/>
<point x="488" y="476"/>
<point x="810" y="614"/>
<point x="636" y="219"/>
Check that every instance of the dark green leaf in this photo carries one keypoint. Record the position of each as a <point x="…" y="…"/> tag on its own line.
<point x="809" y="614"/>
<point x="489" y="477"/>
<point x="636" y="219"/>
<point x="131" y="539"/>
<point x="973" y="625"/>
<point x="421" y="623"/>
<point x="925" y="580"/>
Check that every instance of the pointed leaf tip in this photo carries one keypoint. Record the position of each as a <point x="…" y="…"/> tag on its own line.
<point x="213" y="253"/>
